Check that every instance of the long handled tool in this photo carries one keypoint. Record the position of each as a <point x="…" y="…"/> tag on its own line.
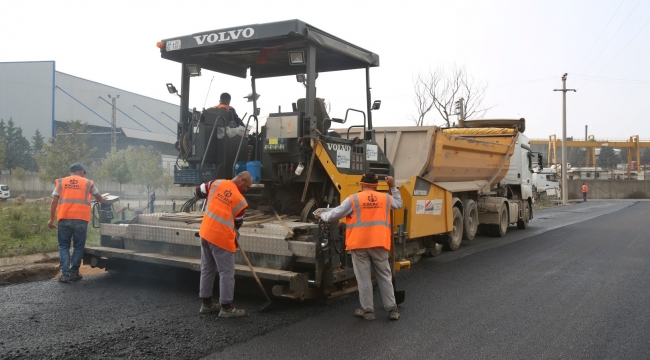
<point x="400" y="296"/>
<point x="259" y="283"/>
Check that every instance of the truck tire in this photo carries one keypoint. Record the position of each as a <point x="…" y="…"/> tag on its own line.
<point x="470" y="220"/>
<point x="525" y="213"/>
<point x="499" y="230"/>
<point x="456" y="235"/>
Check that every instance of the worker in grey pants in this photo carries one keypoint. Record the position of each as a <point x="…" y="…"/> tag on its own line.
<point x="362" y="260"/>
<point x="213" y="257"/>
<point x="368" y="237"/>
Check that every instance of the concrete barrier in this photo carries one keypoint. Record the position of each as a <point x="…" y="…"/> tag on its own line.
<point x="36" y="188"/>
<point x="610" y="189"/>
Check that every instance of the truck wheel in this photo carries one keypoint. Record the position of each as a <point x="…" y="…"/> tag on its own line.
<point x="470" y="220"/>
<point x="525" y="213"/>
<point x="500" y="229"/>
<point x="456" y="235"/>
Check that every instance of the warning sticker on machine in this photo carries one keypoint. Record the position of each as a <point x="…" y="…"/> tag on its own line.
<point x="372" y="152"/>
<point x="419" y="207"/>
<point x="437" y="206"/>
<point x="173" y="45"/>
<point x="343" y="159"/>
<point x="429" y="207"/>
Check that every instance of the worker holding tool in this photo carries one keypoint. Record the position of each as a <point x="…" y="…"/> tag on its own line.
<point x="71" y="205"/>
<point x="368" y="237"/>
<point x="224" y="214"/>
<point x="224" y="102"/>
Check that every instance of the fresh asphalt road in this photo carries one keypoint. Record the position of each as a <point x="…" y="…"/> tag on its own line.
<point x="575" y="284"/>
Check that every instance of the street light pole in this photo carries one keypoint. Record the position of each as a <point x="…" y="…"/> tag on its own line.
<point x="113" y="124"/>
<point x="565" y="195"/>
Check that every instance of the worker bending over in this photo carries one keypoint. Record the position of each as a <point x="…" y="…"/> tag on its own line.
<point x="368" y="237"/>
<point x="224" y="214"/>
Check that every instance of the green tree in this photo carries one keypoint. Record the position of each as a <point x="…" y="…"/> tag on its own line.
<point x="645" y="156"/>
<point x="21" y="175"/>
<point x="577" y="156"/>
<point x="2" y="152"/>
<point x="17" y="149"/>
<point x="167" y="182"/>
<point x="68" y="147"/>
<point x="607" y="159"/>
<point x="145" y="166"/>
<point x="37" y="141"/>
<point x="115" y="168"/>
<point x="37" y="145"/>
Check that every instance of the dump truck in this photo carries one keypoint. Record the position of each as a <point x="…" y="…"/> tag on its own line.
<point x="464" y="176"/>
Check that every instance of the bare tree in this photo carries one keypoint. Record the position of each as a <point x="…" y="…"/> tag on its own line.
<point x="442" y="88"/>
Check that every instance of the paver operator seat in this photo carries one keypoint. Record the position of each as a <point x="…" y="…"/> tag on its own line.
<point x="323" y="121"/>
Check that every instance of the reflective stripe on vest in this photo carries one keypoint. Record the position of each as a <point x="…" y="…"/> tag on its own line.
<point x="369" y="227"/>
<point x="72" y="204"/>
<point x="218" y="227"/>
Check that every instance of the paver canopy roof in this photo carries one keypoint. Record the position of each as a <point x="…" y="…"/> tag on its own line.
<point x="263" y="48"/>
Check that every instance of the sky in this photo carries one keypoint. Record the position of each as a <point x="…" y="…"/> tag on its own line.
<point x="519" y="48"/>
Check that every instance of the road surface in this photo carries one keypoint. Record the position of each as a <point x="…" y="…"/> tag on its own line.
<point x="576" y="284"/>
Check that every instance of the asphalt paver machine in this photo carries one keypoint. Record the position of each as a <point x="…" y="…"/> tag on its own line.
<point x="300" y="164"/>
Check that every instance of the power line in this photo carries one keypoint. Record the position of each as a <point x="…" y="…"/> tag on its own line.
<point x="612" y="38"/>
<point x="597" y="78"/>
<point x="527" y="81"/>
<point x="619" y="53"/>
<point x="601" y="34"/>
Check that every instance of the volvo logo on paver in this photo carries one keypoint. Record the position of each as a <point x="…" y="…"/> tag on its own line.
<point x="338" y="147"/>
<point x="224" y="36"/>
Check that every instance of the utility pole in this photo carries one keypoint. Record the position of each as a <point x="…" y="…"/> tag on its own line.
<point x="565" y="192"/>
<point x="114" y="124"/>
<point x="460" y="111"/>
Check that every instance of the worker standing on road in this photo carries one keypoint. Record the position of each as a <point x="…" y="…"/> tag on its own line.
<point x="224" y="102"/>
<point x="584" y="192"/>
<point x="71" y="197"/>
<point x="368" y="237"/>
<point x="224" y="214"/>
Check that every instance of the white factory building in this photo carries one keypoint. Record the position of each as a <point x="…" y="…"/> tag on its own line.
<point x="36" y="96"/>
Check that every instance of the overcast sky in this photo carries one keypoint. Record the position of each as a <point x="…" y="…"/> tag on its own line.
<point x="521" y="48"/>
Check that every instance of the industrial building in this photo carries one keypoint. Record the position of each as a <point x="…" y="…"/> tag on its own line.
<point x="36" y="96"/>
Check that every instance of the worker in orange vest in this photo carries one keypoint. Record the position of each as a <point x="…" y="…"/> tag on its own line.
<point x="71" y="197"/>
<point x="224" y="214"/>
<point x="368" y="237"/>
<point x="584" y="192"/>
<point x="224" y="102"/>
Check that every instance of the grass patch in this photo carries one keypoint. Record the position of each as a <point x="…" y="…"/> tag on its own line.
<point x="24" y="231"/>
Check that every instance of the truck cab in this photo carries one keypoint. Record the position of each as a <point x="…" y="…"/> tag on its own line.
<point x="4" y="192"/>
<point x="546" y="183"/>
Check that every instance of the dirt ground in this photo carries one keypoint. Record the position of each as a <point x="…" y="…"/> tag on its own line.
<point x="46" y="268"/>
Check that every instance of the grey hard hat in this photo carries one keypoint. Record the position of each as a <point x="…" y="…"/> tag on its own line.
<point x="76" y="167"/>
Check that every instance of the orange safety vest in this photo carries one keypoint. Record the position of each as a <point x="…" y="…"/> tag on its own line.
<point x="584" y="188"/>
<point x="368" y="226"/>
<point x="218" y="225"/>
<point x="223" y="106"/>
<point x="74" y="198"/>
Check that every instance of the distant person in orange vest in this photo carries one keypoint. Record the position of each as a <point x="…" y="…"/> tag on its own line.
<point x="584" y="192"/>
<point x="224" y="214"/>
<point x="368" y="237"/>
<point x="224" y="102"/>
<point x="71" y="206"/>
